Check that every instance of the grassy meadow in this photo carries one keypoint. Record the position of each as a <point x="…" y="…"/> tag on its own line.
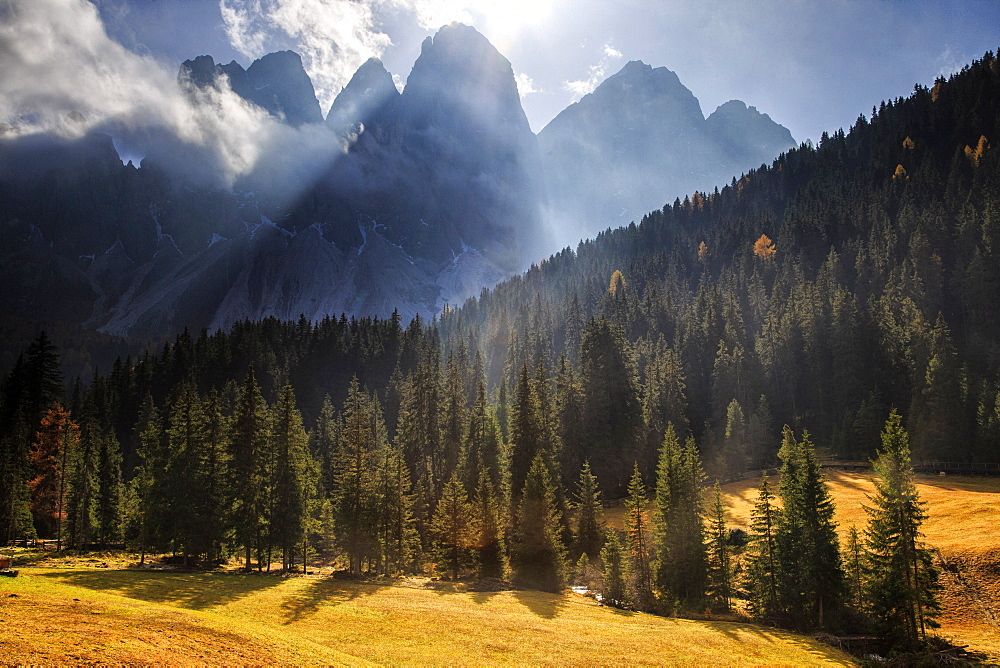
<point x="79" y="615"/>
<point x="76" y="611"/>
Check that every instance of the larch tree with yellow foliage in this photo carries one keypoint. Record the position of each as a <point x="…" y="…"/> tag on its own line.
<point x="764" y="248"/>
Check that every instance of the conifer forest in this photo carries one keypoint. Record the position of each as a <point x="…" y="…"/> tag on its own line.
<point x="839" y="303"/>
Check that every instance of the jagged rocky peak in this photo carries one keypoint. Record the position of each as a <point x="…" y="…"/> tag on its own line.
<point x="640" y="140"/>
<point x="201" y="71"/>
<point x="746" y="127"/>
<point x="369" y="94"/>
<point x="459" y="70"/>
<point x="283" y="87"/>
<point x="277" y="83"/>
<point x="638" y="85"/>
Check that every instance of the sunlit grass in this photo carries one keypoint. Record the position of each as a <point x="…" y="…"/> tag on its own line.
<point x="320" y="620"/>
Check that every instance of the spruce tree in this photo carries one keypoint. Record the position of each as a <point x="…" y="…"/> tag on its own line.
<point x="398" y="539"/>
<point x="590" y="530"/>
<point x="491" y="544"/>
<point x="854" y="568"/>
<point x="638" y="546"/>
<point x="812" y="582"/>
<point x="82" y="497"/>
<point x="763" y="568"/>
<point x="355" y="505"/>
<point x="290" y="486"/>
<point x="454" y="527"/>
<point x="613" y="592"/>
<point x="248" y="447"/>
<point x="537" y="556"/>
<point x="720" y="567"/>
<point x="681" y="574"/>
<point x="903" y="582"/>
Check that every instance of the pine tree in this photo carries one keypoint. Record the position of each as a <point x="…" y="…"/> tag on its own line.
<point x="613" y="592"/>
<point x="398" y="539"/>
<point x="538" y="557"/>
<point x="183" y="504"/>
<point x="147" y="485"/>
<point x="248" y="447"/>
<point x="454" y="526"/>
<point x="491" y="544"/>
<point x="82" y="497"/>
<point x="525" y="432"/>
<point x="854" y="568"/>
<point x="355" y="505"/>
<point x="720" y="567"/>
<point x="323" y="441"/>
<point x="291" y="486"/>
<point x="483" y="446"/>
<point x="763" y="568"/>
<point x="812" y="583"/>
<point x="638" y="546"/>
<point x="590" y="529"/>
<point x="215" y="496"/>
<point x="681" y="574"/>
<point x="903" y="583"/>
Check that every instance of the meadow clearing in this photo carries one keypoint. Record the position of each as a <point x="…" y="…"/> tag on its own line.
<point x="77" y="611"/>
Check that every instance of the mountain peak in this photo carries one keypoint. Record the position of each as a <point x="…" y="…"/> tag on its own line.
<point x="365" y="97"/>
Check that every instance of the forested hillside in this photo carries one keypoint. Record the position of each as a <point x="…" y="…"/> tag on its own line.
<point x="846" y="284"/>
<point x="842" y="281"/>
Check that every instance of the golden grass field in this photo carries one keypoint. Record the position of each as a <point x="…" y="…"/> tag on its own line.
<point x="79" y="615"/>
<point x="963" y="523"/>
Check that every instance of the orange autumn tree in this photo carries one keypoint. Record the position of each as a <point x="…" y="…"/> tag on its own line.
<point x="617" y="286"/>
<point x="55" y="442"/>
<point x="764" y="248"/>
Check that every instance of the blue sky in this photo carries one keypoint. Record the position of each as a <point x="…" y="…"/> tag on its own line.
<point x="812" y="66"/>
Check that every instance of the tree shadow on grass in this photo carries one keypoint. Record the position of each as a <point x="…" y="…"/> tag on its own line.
<point x="738" y="631"/>
<point x="542" y="604"/>
<point x="197" y="591"/>
<point x="318" y="591"/>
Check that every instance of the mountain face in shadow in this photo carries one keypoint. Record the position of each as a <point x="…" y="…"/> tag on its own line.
<point x="421" y="198"/>
<point x="640" y="140"/>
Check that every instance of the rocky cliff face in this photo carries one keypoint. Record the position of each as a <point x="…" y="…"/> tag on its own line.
<point x="429" y="196"/>
<point x="276" y="83"/>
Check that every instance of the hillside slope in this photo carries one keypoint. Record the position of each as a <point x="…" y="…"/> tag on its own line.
<point x="262" y="619"/>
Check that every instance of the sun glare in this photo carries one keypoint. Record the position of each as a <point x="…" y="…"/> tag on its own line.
<point x="501" y="22"/>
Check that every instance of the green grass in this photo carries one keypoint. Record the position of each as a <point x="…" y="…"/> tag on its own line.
<point x="184" y="618"/>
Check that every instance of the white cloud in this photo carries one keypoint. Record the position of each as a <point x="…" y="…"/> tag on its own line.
<point x="334" y="37"/>
<point x="596" y="74"/>
<point x="950" y="62"/>
<point x="57" y="58"/>
<point x="525" y="85"/>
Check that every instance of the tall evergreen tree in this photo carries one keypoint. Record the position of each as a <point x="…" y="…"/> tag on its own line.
<point x="903" y="582"/>
<point x="355" y="503"/>
<point x="249" y="473"/>
<point x="454" y="526"/>
<point x="812" y="582"/>
<point x="613" y="592"/>
<point x="590" y="529"/>
<point x="720" y="567"/>
<point x="489" y="519"/>
<point x="638" y="546"/>
<point x="537" y="556"/>
<point x="291" y="485"/>
<point x="763" y="571"/>
<point x="681" y="573"/>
